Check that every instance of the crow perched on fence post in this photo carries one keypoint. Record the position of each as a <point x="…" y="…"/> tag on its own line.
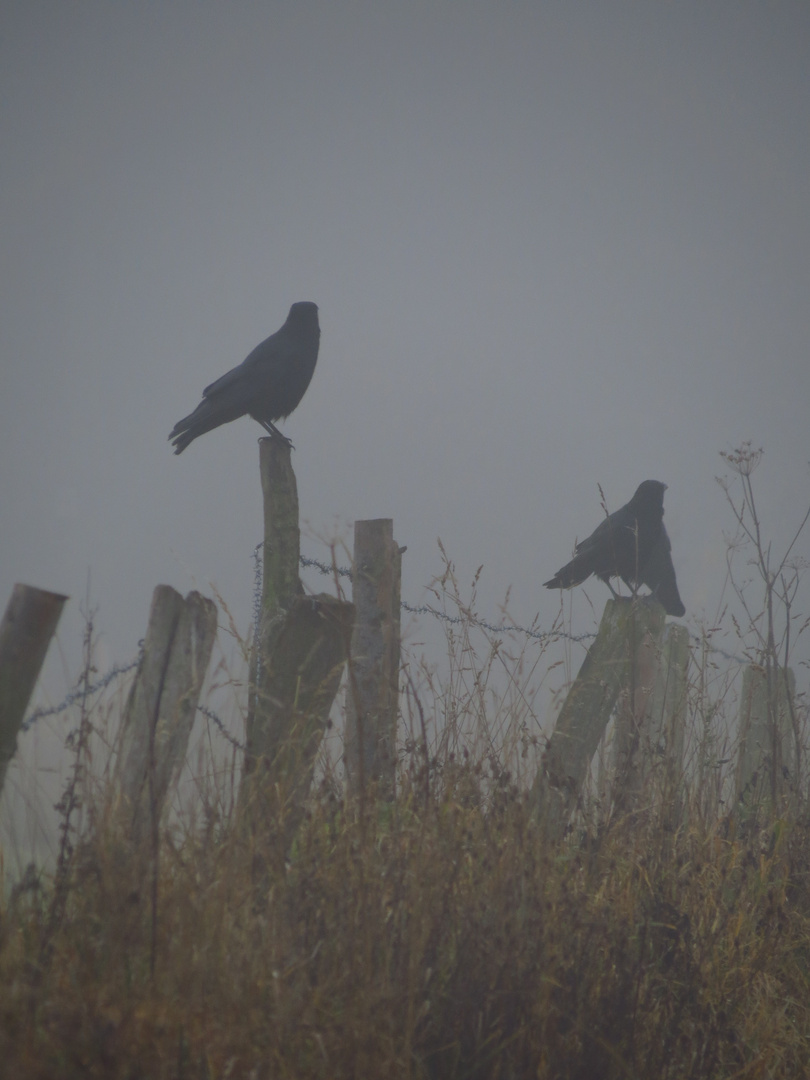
<point x="632" y="544"/>
<point x="267" y="385"/>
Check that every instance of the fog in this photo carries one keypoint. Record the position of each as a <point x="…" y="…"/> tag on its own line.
<point x="553" y="247"/>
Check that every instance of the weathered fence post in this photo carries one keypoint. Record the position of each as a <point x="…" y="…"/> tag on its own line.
<point x="373" y="697"/>
<point x="298" y="658"/>
<point x="766" y="758"/>
<point x="664" y="746"/>
<point x="162" y="703"/>
<point x="631" y="746"/>
<point x="588" y="707"/>
<point x="28" y="625"/>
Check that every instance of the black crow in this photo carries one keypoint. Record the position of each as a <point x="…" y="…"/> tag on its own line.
<point x="632" y="544"/>
<point x="267" y="385"/>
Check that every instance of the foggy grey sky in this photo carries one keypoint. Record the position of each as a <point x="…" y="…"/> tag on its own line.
<point x="553" y="245"/>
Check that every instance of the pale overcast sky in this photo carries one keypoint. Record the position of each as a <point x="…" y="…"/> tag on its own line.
<point x="554" y="245"/>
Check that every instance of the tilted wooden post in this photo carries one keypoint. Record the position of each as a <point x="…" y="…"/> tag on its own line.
<point x="162" y="703"/>
<point x="766" y="757"/>
<point x="373" y="690"/>
<point x="28" y="625"/>
<point x="299" y="652"/>
<point x="588" y="707"/>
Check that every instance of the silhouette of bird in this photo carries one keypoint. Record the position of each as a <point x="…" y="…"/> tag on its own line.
<point x="632" y="544"/>
<point x="267" y="385"/>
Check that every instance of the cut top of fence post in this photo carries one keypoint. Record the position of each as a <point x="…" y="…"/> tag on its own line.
<point x="282" y="537"/>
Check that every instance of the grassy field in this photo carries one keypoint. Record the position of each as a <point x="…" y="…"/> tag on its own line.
<point x="444" y="934"/>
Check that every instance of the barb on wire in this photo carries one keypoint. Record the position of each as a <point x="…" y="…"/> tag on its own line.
<point x="212" y="716"/>
<point x="257" y="585"/>
<point x="341" y="571"/>
<point x="80" y="691"/>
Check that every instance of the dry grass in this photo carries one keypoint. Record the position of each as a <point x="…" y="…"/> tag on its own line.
<point x="446" y="939"/>
<point x="442" y="936"/>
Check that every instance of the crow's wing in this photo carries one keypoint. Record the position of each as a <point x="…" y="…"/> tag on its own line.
<point x="256" y="364"/>
<point x="658" y="575"/>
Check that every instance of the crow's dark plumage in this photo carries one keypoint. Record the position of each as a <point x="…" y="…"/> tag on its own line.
<point x="631" y="544"/>
<point x="267" y="385"/>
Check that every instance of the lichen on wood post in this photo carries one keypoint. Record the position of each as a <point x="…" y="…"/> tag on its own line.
<point x="373" y="690"/>
<point x="162" y="704"/>
<point x="28" y="625"/>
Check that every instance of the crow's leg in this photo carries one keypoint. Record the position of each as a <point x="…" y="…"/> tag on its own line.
<point x="274" y="433"/>
<point x="613" y="592"/>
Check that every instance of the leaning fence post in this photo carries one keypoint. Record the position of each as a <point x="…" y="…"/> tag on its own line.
<point x="373" y="697"/>
<point x="298" y="656"/>
<point x="587" y="709"/>
<point x="28" y="625"/>
<point x="162" y="703"/>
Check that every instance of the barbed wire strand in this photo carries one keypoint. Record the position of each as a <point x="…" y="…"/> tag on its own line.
<point x="73" y="696"/>
<point x="219" y="723"/>
<point x="458" y="620"/>
<point x="342" y="571"/>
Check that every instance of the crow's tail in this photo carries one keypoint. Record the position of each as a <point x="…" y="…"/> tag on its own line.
<point x="573" y="573"/>
<point x="204" y="418"/>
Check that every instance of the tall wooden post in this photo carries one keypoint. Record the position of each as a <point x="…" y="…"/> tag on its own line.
<point x="373" y="698"/>
<point x="28" y="625"/>
<point x="162" y="704"/>
<point x="298" y="658"/>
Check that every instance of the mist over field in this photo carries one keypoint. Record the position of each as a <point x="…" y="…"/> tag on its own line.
<point x="553" y="247"/>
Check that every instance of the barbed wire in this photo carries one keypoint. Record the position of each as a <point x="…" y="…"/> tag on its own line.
<point x="341" y="571"/>
<point x="458" y="620"/>
<point x="79" y="692"/>
<point x="503" y="628"/>
<point x="543" y="636"/>
<point x="219" y="723"/>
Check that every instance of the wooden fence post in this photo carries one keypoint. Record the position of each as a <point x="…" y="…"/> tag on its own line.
<point x="588" y="707"/>
<point x="766" y="758"/>
<point x="649" y="739"/>
<point x="28" y="625"/>
<point x="631" y="744"/>
<point x="162" y="703"/>
<point x="298" y="658"/>
<point x="373" y="697"/>
<point x="663" y="747"/>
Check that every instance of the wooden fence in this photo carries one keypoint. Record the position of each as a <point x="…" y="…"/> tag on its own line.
<point x="636" y="673"/>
